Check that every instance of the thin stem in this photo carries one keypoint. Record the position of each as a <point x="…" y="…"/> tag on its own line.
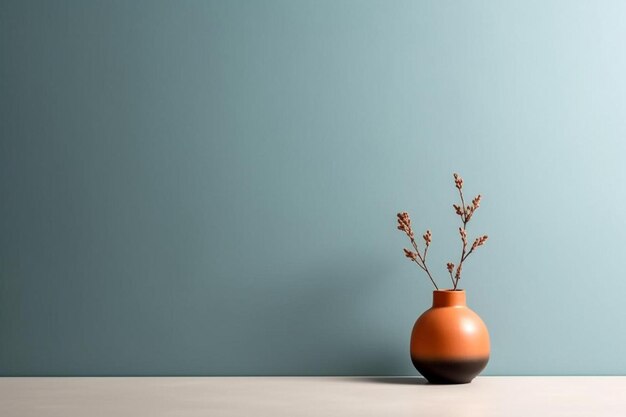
<point x="458" y="268"/>
<point x="424" y="267"/>
<point x="463" y="207"/>
<point x="452" y="278"/>
<point x="429" y="276"/>
<point x="419" y="264"/>
<point x="465" y="220"/>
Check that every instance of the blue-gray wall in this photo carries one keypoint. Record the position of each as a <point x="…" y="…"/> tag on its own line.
<point x="210" y="187"/>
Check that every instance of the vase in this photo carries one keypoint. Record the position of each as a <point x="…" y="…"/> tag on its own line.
<point x="449" y="342"/>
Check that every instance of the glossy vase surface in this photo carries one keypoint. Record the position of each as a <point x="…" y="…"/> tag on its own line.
<point x="449" y="342"/>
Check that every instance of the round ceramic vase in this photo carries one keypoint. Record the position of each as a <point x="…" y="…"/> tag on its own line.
<point x="449" y="342"/>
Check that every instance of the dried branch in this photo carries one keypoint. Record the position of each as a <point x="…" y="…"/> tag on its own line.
<point x="404" y="224"/>
<point x="466" y="213"/>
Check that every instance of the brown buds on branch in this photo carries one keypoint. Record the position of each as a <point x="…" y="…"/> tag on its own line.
<point x="410" y="254"/>
<point x="470" y="209"/>
<point x="465" y="212"/>
<point x="427" y="238"/>
<point x="404" y="224"/>
<point x="476" y="202"/>
<point x="479" y="242"/>
<point x="458" y="181"/>
<point x="457" y="276"/>
<point x="450" y="268"/>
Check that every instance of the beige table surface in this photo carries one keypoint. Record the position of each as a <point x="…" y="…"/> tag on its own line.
<point x="311" y="396"/>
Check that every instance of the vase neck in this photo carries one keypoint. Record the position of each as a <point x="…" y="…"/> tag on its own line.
<point x="448" y="298"/>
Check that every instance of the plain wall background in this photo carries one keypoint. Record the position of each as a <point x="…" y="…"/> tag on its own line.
<point x="210" y="188"/>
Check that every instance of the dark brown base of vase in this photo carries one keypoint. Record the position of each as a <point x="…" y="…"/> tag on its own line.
<point x="450" y="371"/>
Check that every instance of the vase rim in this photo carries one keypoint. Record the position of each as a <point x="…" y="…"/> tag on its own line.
<point x="447" y="290"/>
<point x="448" y="298"/>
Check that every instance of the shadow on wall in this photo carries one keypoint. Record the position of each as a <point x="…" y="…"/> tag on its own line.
<point x="331" y="320"/>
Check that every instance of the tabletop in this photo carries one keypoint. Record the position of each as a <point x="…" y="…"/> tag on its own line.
<point x="310" y="396"/>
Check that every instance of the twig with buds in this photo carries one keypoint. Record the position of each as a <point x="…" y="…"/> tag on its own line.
<point x="465" y="212"/>
<point x="404" y="224"/>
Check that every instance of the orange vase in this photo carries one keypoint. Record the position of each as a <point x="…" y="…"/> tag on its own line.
<point x="449" y="343"/>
